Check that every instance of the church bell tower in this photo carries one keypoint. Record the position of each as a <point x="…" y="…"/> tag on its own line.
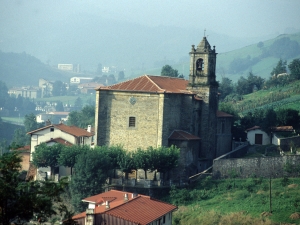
<point x="202" y="82"/>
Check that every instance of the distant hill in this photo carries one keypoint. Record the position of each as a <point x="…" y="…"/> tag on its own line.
<point x="21" y="69"/>
<point x="260" y="58"/>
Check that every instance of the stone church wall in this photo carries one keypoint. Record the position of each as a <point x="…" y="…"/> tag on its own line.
<point x="113" y="121"/>
<point x="259" y="167"/>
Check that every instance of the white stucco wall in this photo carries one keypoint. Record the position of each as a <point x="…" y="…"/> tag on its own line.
<point x="251" y="136"/>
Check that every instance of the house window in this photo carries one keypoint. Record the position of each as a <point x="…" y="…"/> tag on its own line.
<point x="131" y="121"/>
<point x="52" y="129"/>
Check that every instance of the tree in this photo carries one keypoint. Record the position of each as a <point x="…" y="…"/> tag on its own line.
<point x="91" y="173"/>
<point x="168" y="71"/>
<point x="3" y="94"/>
<point x="68" y="155"/>
<point x="45" y="156"/>
<point x="59" y="106"/>
<point x="24" y="199"/>
<point x="59" y="88"/>
<point x="30" y="122"/>
<point x="19" y="139"/>
<point x="225" y="87"/>
<point x="280" y="68"/>
<point x="288" y="117"/>
<point x="121" y="75"/>
<point x="260" y="44"/>
<point x="247" y="86"/>
<point x="163" y="159"/>
<point x="294" y="68"/>
<point x="141" y="160"/>
<point x="78" y="103"/>
<point x="83" y="118"/>
<point x="125" y="163"/>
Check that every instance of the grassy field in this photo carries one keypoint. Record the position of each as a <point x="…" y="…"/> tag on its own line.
<point x="238" y="201"/>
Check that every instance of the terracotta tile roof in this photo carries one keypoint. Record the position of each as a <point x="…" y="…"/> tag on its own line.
<point x="182" y="135"/>
<point x="223" y="114"/>
<point x="24" y="148"/>
<point x="60" y="141"/>
<point x="253" y="128"/>
<point x="31" y="173"/>
<point x="140" y="209"/>
<point x="150" y="83"/>
<point x="73" y="130"/>
<point x="283" y="128"/>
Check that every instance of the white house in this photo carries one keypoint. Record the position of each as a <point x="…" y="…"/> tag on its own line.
<point x="256" y="136"/>
<point x="59" y="133"/>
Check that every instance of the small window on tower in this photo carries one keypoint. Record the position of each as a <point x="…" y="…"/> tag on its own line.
<point x="131" y="121"/>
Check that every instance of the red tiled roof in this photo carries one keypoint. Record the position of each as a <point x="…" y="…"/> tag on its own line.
<point x="182" y="135"/>
<point x="73" y="130"/>
<point x="223" y="114"/>
<point x="149" y="83"/>
<point x="140" y="209"/>
<point x="253" y="128"/>
<point x="24" y="148"/>
<point x="283" y="128"/>
<point x="60" y="141"/>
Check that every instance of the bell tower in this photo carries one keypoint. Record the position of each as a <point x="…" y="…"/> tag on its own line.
<point x="202" y="82"/>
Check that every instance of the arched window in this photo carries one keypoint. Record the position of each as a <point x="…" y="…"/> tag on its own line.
<point x="199" y="64"/>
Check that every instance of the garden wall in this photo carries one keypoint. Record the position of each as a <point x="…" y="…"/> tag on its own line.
<point x="259" y="167"/>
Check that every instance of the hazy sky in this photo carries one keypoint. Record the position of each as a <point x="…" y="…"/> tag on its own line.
<point x="237" y="18"/>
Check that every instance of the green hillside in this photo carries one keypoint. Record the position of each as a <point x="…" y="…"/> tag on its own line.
<point x="277" y="98"/>
<point x="238" y="201"/>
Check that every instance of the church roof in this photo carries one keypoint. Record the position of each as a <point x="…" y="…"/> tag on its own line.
<point x="223" y="114"/>
<point x="203" y="45"/>
<point x="150" y="83"/>
<point x="182" y="135"/>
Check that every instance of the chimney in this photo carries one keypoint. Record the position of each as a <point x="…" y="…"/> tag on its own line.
<point x="126" y="197"/>
<point x="134" y="195"/>
<point x="106" y="205"/>
<point x="89" y="128"/>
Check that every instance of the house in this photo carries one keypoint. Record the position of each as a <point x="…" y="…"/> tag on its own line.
<point x="59" y="133"/>
<point x="124" y="208"/>
<point x="256" y="136"/>
<point x="25" y="155"/>
<point x="146" y="111"/>
<point x="25" y="92"/>
<point x="80" y="80"/>
<point x="46" y="88"/>
<point x="88" y="88"/>
<point x="54" y="117"/>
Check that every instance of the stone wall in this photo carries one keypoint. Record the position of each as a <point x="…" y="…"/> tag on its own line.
<point x="259" y="167"/>
<point x="285" y="143"/>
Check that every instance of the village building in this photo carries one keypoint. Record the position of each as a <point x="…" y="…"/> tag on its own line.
<point x="124" y="208"/>
<point x="161" y="111"/>
<point x="53" y="134"/>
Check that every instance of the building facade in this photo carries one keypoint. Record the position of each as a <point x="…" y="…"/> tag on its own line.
<point x="147" y="110"/>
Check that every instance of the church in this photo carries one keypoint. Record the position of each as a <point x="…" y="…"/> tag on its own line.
<point x="163" y="111"/>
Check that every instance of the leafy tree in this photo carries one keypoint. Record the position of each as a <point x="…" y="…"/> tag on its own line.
<point x="30" y="122"/>
<point x="284" y="48"/>
<point x="260" y="44"/>
<point x="280" y="68"/>
<point x="59" y="106"/>
<point x="163" y="159"/>
<point x="225" y="87"/>
<point x="125" y="163"/>
<point x="121" y="75"/>
<point x="78" y="103"/>
<point x="270" y="119"/>
<point x="19" y="139"/>
<point x="91" y="173"/>
<point x="59" y="88"/>
<point x="3" y="94"/>
<point x="83" y="118"/>
<point x="141" y="160"/>
<point x="68" y="155"/>
<point x="24" y="199"/>
<point x="247" y="86"/>
<point x="45" y="156"/>
<point x="168" y="71"/>
<point x="288" y="117"/>
<point x="294" y="67"/>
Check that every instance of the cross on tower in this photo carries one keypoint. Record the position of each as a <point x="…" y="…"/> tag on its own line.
<point x="204" y="32"/>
